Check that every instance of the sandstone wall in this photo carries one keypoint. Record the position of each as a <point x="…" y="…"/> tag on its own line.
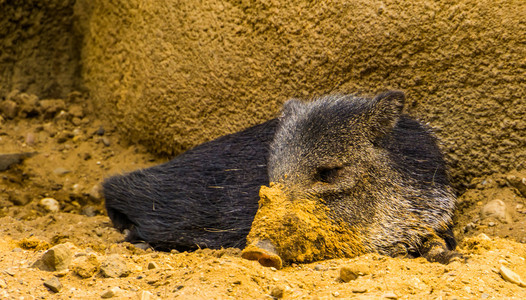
<point x="39" y="47"/>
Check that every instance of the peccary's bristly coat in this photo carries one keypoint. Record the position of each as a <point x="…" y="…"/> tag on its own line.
<point x="375" y="176"/>
<point x="205" y="197"/>
<point x="376" y="169"/>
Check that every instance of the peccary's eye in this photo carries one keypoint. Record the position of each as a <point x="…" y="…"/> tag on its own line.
<point x="328" y="175"/>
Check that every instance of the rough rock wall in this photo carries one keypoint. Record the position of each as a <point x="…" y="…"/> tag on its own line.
<point x="173" y="74"/>
<point x="39" y="51"/>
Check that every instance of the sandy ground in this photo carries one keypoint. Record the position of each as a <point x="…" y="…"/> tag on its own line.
<point x="70" y="151"/>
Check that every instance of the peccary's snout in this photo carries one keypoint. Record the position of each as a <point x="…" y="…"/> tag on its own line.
<point x="264" y="252"/>
<point x="288" y="230"/>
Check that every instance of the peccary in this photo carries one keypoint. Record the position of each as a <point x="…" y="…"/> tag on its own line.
<point x="205" y="197"/>
<point x="353" y="175"/>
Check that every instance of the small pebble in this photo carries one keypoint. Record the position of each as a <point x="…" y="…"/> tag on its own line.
<point x="496" y="209"/>
<point x="143" y="246"/>
<point x="110" y="293"/>
<point x="89" y="211"/>
<point x="61" y="171"/>
<point x="320" y="267"/>
<point x="53" y="284"/>
<point x="30" y="139"/>
<point x="390" y="295"/>
<point x="9" y="108"/>
<point x="114" y="267"/>
<point x="50" y="204"/>
<point x="152" y="265"/>
<point x="359" y="290"/>
<point x="511" y="276"/>
<point x="95" y="191"/>
<point x="100" y="131"/>
<point x="483" y="236"/>
<point x="106" y="141"/>
<point x="277" y="292"/>
<point x="347" y="274"/>
<point x="3" y="284"/>
<point x="57" y="258"/>
<point x="63" y="136"/>
<point x="144" y="295"/>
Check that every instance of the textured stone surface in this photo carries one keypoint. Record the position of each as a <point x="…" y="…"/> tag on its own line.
<point x="201" y="69"/>
<point x="173" y="74"/>
<point x="40" y="48"/>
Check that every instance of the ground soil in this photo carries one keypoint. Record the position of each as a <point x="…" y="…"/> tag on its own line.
<point x="72" y="151"/>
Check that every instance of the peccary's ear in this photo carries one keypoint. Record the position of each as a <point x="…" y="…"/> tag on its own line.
<point x="384" y="112"/>
<point x="291" y="107"/>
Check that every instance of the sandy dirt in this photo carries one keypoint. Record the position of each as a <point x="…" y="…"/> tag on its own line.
<point x="70" y="151"/>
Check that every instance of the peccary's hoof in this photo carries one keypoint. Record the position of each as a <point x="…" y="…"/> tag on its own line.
<point x="264" y="253"/>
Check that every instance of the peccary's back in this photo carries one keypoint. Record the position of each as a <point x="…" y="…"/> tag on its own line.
<point x="414" y="152"/>
<point x="205" y="197"/>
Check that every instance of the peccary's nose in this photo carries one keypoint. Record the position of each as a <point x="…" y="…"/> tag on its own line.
<point x="264" y="252"/>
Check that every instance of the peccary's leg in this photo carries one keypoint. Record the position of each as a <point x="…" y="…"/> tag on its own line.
<point x="436" y="249"/>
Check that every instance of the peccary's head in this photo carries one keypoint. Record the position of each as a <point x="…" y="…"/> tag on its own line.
<point x="328" y="145"/>
<point x="369" y="170"/>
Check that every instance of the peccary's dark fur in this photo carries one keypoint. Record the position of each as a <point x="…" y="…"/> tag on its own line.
<point x="378" y="170"/>
<point x="205" y="197"/>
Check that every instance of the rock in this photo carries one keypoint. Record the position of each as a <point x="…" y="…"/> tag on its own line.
<point x="348" y="274"/>
<point x="9" y="108"/>
<point x="57" y="258"/>
<point x="111" y="292"/>
<point x="143" y="246"/>
<point x="359" y="290"/>
<point x="50" y="107"/>
<point x="61" y="171"/>
<point x="89" y="211"/>
<point x="145" y="295"/>
<point x="114" y="267"/>
<point x="496" y="209"/>
<point x="76" y="110"/>
<point x="277" y="292"/>
<point x="95" y="191"/>
<point x="30" y="139"/>
<point x="100" y="131"/>
<point x="152" y="265"/>
<point x="484" y="237"/>
<point x="8" y="160"/>
<point x="53" y="284"/>
<point x="86" y="266"/>
<point x="518" y="182"/>
<point x="106" y="141"/>
<point x="28" y="105"/>
<point x="19" y="198"/>
<point x="50" y="204"/>
<point x="64" y="136"/>
<point x="511" y="276"/>
<point x="390" y="295"/>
